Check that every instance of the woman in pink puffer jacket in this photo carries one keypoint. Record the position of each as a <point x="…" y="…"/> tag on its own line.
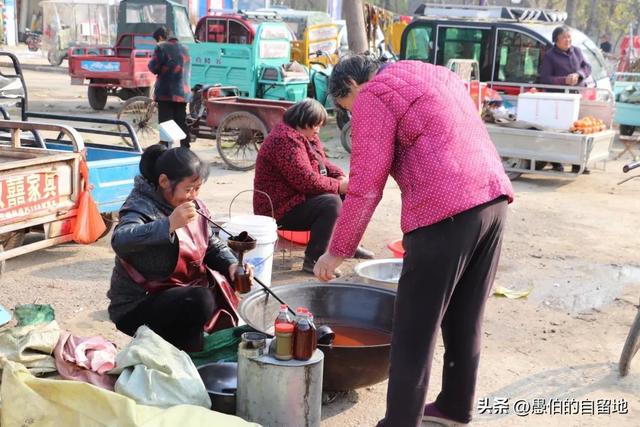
<point x="417" y="123"/>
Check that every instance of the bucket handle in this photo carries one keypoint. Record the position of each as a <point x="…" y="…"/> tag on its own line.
<point x="273" y="215"/>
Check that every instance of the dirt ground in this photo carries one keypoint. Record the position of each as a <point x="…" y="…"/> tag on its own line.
<point x="573" y="243"/>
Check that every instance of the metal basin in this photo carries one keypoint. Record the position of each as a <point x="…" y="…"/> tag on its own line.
<point x="385" y="272"/>
<point x="221" y="381"/>
<point x="345" y="368"/>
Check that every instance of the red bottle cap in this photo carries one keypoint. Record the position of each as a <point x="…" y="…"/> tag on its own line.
<point x="284" y="328"/>
<point x="283" y="307"/>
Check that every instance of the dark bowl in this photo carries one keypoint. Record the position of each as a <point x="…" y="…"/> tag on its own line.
<point x="221" y="381"/>
<point x="345" y="368"/>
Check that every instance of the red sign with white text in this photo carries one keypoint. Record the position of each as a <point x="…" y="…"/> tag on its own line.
<point x="24" y="195"/>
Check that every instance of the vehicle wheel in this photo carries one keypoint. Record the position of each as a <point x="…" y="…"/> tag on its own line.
<point x="196" y="114"/>
<point x="97" y="97"/>
<point x="345" y="137"/>
<point x="142" y="113"/>
<point x="627" y="130"/>
<point x="512" y="162"/>
<point x="238" y="139"/>
<point x="55" y="58"/>
<point x="109" y="220"/>
<point x="342" y="117"/>
<point x="630" y="348"/>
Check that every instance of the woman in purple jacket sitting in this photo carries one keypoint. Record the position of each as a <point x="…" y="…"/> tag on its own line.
<point x="417" y="123"/>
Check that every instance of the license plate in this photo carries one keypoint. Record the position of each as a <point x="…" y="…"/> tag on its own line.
<point x="100" y="66"/>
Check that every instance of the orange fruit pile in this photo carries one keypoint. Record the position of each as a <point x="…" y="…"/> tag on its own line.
<point x="588" y="125"/>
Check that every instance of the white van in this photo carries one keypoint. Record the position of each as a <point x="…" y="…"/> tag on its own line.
<point x="507" y="42"/>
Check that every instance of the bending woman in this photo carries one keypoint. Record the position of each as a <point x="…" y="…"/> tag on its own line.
<point x="417" y="123"/>
<point x="166" y="255"/>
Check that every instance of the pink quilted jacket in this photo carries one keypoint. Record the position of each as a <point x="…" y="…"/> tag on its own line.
<point x="417" y="123"/>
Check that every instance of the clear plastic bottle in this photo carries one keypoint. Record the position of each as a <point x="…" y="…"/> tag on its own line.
<point x="283" y="315"/>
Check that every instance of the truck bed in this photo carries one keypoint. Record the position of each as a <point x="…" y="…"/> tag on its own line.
<point x="129" y="71"/>
<point x="550" y="146"/>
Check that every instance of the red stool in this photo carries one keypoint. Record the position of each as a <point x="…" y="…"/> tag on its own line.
<point x="396" y="248"/>
<point x="298" y="237"/>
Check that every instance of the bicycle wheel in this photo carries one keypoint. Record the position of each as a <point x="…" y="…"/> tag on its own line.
<point x="238" y="139"/>
<point x="345" y="137"/>
<point x="631" y="346"/>
<point x="142" y="113"/>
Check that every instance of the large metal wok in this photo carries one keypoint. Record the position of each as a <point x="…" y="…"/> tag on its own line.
<point x="345" y="368"/>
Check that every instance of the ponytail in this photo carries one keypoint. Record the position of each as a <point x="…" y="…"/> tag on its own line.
<point x="176" y="163"/>
<point x="149" y="160"/>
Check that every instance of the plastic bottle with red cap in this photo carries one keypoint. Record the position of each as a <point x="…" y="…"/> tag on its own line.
<point x="283" y="315"/>
<point x="304" y="335"/>
<point x="284" y="341"/>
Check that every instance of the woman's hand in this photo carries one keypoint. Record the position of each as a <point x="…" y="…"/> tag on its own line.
<point x="181" y="216"/>
<point x="326" y="266"/>
<point x="248" y="269"/>
<point x="344" y="185"/>
<point x="572" y="79"/>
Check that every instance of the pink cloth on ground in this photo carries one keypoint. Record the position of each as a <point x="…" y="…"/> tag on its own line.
<point x="86" y="359"/>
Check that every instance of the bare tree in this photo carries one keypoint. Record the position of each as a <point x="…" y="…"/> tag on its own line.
<point x="572" y="6"/>
<point x="353" y="13"/>
<point x="592" y="23"/>
<point x="413" y="5"/>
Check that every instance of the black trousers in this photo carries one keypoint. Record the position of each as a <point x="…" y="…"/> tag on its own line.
<point x="318" y="214"/>
<point x="176" y="111"/>
<point x="446" y="279"/>
<point x="178" y="315"/>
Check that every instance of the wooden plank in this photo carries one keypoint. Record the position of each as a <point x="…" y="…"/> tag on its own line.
<point x="32" y="247"/>
<point x="15" y="138"/>
<point x="54" y="158"/>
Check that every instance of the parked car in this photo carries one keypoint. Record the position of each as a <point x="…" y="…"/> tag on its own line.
<point x="507" y="42"/>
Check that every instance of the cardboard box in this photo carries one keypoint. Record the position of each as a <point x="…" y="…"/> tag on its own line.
<point x="551" y="110"/>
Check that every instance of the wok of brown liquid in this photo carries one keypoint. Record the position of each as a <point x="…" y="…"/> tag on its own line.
<point x="352" y="336"/>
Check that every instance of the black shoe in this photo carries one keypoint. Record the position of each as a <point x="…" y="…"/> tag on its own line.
<point x="576" y="169"/>
<point x="362" y="253"/>
<point x="308" y="264"/>
<point x="557" y="167"/>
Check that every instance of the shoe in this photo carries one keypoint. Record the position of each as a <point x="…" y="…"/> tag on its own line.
<point x="576" y="169"/>
<point x="308" y="264"/>
<point x="362" y="253"/>
<point x="557" y="167"/>
<point x="434" y="415"/>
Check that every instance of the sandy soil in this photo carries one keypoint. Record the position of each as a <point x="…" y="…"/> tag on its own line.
<point x="573" y="243"/>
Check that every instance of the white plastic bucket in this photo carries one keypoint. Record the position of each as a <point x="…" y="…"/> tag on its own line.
<point x="264" y="230"/>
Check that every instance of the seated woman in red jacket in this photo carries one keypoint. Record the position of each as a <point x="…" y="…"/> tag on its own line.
<point x="305" y="187"/>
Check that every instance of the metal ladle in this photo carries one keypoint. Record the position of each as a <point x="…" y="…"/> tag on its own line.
<point x="325" y="335"/>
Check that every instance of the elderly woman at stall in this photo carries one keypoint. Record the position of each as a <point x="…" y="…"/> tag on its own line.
<point x="305" y="188"/>
<point x="417" y="123"/>
<point x="168" y="257"/>
<point x="564" y="65"/>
